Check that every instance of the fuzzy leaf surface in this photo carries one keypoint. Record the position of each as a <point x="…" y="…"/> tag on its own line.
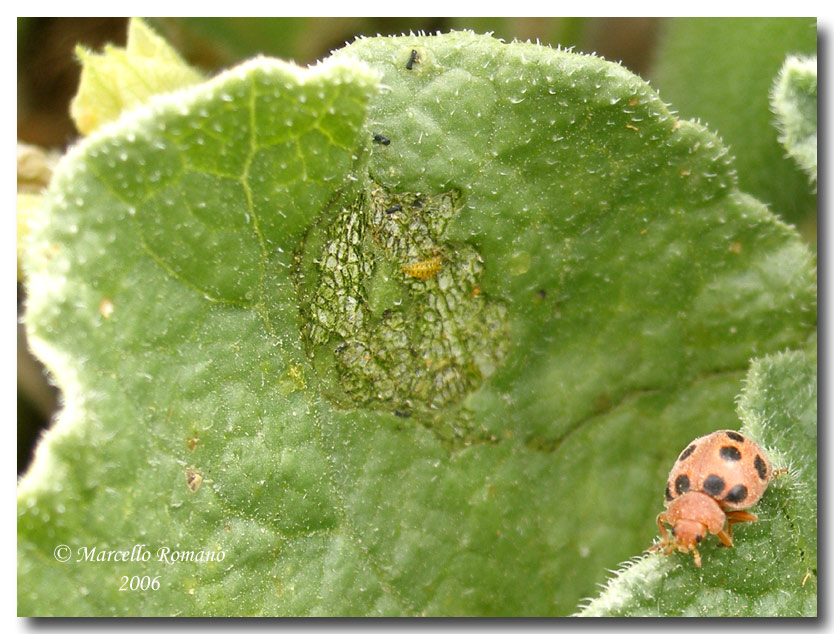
<point x="555" y="284"/>
<point x="794" y="102"/>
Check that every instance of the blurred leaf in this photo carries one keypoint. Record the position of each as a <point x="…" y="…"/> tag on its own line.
<point x="794" y="100"/>
<point x="34" y="171"/>
<point x="26" y="203"/>
<point x="122" y="78"/>
<point x="34" y="167"/>
<point x="772" y="568"/>
<point x="231" y="304"/>
<point x="565" y="32"/>
<point x="721" y="70"/>
<point x="217" y="41"/>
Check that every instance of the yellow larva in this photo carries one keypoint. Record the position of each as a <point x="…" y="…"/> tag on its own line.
<point x="424" y="269"/>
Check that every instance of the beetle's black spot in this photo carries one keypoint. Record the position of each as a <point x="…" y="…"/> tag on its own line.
<point x="668" y="493"/>
<point x="736" y="494"/>
<point x="761" y="467"/>
<point x="714" y="484"/>
<point x="384" y="140"/>
<point x="686" y="453"/>
<point x="734" y="436"/>
<point x="682" y="484"/>
<point x="729" y="453"/>
<point x="410" y="64"/>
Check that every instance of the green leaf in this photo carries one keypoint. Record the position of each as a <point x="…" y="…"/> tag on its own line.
<point x="794" y="101"/>
<point x="230" y="39"/>
<point x="772" y="568"/>
<point x="250" y="364"/>
<point x="721" y="71"/>
<point x="122" y="78"/>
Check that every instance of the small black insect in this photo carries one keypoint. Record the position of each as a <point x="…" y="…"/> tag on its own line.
<point x="412" y="59"/>
<point x="402" y="414"/>
<point x="541" y="293"/>
<point x="394" y="208"/>
<point x="384" y="140"/>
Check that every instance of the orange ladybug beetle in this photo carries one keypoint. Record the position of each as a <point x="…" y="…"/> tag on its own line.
<point x="713" y="479"/>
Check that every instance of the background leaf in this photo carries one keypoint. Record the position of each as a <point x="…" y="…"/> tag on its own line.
<point x="122" y="78"/>
<point x="772" y="568"/>
<point x="635" y="282"/>
<point x="794" y="101"/>
<point x="720" y="70"/>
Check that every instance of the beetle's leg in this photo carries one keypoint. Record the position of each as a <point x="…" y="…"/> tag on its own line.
<point x="662" y="527"/>
<point x="726" y="536"/>
<point x="664" y="536"/>
<point x="737" y="517"/>
<point x="734" y="517"/>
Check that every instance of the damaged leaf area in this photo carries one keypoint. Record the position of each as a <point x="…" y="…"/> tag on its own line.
<point x="398" y="335"/>
<point x="396" y="319"/>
